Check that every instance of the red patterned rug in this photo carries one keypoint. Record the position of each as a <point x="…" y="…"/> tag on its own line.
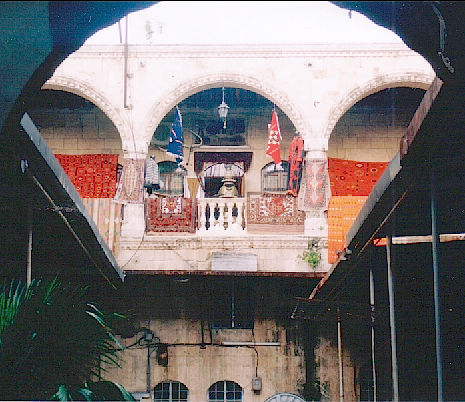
<point x="353" y="177"/>
<point x="276" y="209"/>
<point x="93" y="175"/>
<point x="314" y="189"/>
<point x="170" y="214"/>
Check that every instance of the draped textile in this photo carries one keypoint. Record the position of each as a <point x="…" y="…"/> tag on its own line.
<point x="348" y="177"/>
<point x="295" y="159"/>
<point x="106" y="214"/>
<point x="273" y="148"/>
<point x="131" y="185"/>
<point x="214" y="169"/>
<point x="221" y="157"/>
<point x="151" y="172"/>
<point x="193" y="186"/>
<point x="314" y="190"/>
<point x="93" y="175"/>
<point x="170" y="214"/>
<point x="278" y="209"/>
<point x="342" y="212"/>
<point x="176" y="139"/>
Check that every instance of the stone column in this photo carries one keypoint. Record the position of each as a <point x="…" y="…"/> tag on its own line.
<point x="314" y="189"/>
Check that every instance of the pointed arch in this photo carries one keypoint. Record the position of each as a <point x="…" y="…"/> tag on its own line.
<point x="159" y="110"/>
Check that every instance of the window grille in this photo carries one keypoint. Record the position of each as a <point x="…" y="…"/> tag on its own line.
<point x="275" y="178"/>
<point x="225" y="391"/>
<point x="171" y="391"/>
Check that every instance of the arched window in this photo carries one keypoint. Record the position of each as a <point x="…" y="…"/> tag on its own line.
<point x="171" y="178"/>
<point x="223" y="391"/>
<point x="171" y="391"/>
<point x="275" y="178"/>
<point x="214" y="173"/>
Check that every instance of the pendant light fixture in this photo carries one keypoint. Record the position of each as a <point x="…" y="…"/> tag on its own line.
<point x="223" y="111"/>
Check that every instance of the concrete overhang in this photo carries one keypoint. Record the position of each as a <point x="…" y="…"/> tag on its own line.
<point x="400" y="203"/>
<point x="65" y="240"/>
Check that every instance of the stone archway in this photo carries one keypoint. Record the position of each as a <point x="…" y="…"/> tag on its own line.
<point x="182" y="91"/>
<point x="89" y="93"/>
<point x="350" y="98"/>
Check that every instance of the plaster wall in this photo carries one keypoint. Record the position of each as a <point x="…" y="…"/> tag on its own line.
<point x="326" y="354"/>
<point x="198" y="368"/>
<point x="313" y="84"/>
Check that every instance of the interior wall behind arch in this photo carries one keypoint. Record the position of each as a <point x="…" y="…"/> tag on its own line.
<point x="371" y="130"/>
<point x="71" y="125"/>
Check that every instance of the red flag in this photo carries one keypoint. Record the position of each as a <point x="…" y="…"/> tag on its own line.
<point x="274" y="138"/>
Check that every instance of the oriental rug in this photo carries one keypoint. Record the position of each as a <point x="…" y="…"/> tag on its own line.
<point x="273" y="209"/>
<point x="314" y="190"/>
<point x="130" y="188"/>
<point x="93" y="175"/>
<point x="170" y="214"/>
<point x="349" y="177"/>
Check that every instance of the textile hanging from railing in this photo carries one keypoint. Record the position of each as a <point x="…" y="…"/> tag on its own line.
<point x="276" y="212"/>
<point x="295" y="159"/>
<point x="314" y="190"/>
<point x="131" y="185"/>
<point x="170" y="214"/>
<point x="349" y="177"/>
<point x="106" y="214"/>
<point x="93" y="175"/>
<point x="342" y="211"/>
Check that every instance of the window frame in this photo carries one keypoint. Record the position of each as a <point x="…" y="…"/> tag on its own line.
<point x="266" y="172"/>
<point x="171" y="398"/>
<point x="225" y="383"/>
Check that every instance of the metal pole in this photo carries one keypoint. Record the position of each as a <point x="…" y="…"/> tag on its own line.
<point x="29" y="246"/>
<point x="372" y="306"/>
<point x="149" y="390"/>
<point x="395" y="375"/>
<point x="339" y="353"/>
<point x="437" y="304"/>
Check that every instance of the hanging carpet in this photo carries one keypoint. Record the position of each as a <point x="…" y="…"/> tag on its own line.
<point x="342" y="212"/>
<point x="93" y="175"/>
<point x="277" y="212"/>
<point x="314" y="190"/>
<point x="131" y="184"/>
<point x="349" y="177"/>
<point x="170" y="214"/>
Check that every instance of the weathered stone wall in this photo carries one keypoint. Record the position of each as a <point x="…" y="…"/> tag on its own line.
<point x="281" y="368"/>
<point x="368" y="137"/>
<point x="78" y="131"/>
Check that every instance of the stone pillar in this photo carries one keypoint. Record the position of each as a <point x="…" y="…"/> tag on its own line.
<point x="315" y="189"/>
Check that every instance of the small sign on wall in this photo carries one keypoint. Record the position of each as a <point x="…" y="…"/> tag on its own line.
<point x="234" y="262"/>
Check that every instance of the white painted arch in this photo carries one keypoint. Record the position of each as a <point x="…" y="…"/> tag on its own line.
<point x="313" y="84"/>
<point x="227" y="79"/>
<point x="92" y="94"/>
<point x="373" y="85"/>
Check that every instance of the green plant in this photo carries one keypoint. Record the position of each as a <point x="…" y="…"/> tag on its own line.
<point x="312" y="255"/>
<point x="53" y="342"/>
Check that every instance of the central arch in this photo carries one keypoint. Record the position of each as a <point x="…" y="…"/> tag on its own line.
<point x="159" y="110"/>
